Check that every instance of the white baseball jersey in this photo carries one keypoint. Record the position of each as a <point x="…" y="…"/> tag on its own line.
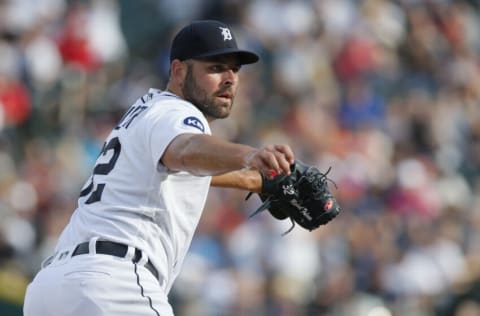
<point x="132" y="198"/>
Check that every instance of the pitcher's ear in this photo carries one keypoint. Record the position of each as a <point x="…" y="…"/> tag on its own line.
<point x="178" y="71"/>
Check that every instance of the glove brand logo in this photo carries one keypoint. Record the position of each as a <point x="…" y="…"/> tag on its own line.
<point x="288" y="189"/>
<point x="303" y="210"/>
<point x="226" y="33"/>
<point x="194" y="122"/>
<point x="328" y="205"/>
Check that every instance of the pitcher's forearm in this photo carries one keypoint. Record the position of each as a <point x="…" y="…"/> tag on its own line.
<point x="205" y="155"/>
<point x="249" y="180"/>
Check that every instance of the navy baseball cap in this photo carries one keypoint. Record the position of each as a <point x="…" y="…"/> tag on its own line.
<point x="208" y="38"/>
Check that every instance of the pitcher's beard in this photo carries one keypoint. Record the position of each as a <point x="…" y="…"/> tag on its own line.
<point x="209" y="105"/>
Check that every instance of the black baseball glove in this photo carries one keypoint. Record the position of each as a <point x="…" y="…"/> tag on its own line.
<point x="302" y="196"/>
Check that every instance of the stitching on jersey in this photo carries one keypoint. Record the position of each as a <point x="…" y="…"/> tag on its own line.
<point x="169" y="94"/>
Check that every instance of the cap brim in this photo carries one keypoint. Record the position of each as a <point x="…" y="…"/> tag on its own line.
<point x="244" y="56"/>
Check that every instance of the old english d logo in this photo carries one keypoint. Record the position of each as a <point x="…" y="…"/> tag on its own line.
<point x="288" y="189"/>
<point x="226" y="33"/>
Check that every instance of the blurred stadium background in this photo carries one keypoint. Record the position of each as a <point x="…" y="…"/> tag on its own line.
<point x="386" y="92"/>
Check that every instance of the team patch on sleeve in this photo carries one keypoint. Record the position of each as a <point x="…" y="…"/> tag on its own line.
<point x="194" y="122"/>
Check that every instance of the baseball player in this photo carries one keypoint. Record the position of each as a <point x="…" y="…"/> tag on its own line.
<point x="126" y="241"/>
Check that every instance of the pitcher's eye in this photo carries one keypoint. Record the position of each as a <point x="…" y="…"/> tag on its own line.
<point x="217" y="68"/>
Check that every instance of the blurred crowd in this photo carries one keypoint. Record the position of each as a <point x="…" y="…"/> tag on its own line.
<point x="386" y="92"/>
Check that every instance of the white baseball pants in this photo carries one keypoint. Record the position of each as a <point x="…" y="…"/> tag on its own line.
<point x="95" y="285"/>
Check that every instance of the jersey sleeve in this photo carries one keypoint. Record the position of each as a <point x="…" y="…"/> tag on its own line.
<point x="165" y="122"/>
